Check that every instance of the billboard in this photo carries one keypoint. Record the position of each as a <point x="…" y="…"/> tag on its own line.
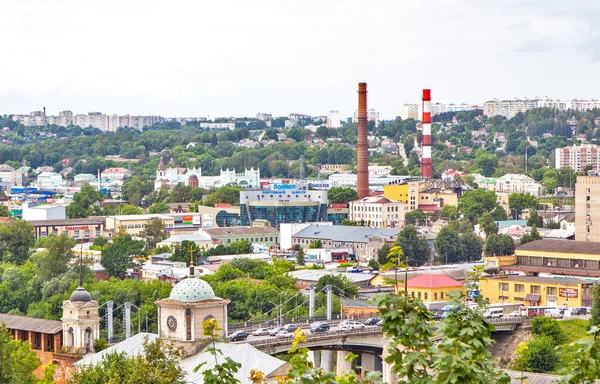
<point x="568" y="292"/>
<point x="188" y="219"/>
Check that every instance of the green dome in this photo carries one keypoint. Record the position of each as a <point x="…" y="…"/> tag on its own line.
<point x="192" y="290"/>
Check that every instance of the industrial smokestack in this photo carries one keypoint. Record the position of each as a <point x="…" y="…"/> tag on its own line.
<point x="362" y="154"/>
<point x="426" y="144"/>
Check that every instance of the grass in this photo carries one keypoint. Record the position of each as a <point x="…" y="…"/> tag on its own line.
<point x="574" y="329"/>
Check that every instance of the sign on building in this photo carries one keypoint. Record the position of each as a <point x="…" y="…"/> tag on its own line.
<point x="568" y="292"/>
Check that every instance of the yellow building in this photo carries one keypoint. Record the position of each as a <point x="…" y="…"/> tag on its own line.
<point x="431" y="288"/>
<point x="134" y="224"/>
<point x="536" y="290"/>
<point x="420" y="194"/>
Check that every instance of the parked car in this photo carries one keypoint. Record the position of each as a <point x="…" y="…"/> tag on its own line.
<point x="515" y="314"/>
<point x="380" y="323"/>
<point x="261" y="332"/>
<point x="285" y="334"/>
<point x="290" y="327"/>
<point x="319" y="327"/>
<point x="554" y="313"/>
<point x="371" y="321"/>
<point x="578" y="311"/>
<point x="437" y="316"/>
<point x="350" y="325"/>
<point x="494" y="313"/>
<point x="238" y="336"/>
<point x="275" y="331"/>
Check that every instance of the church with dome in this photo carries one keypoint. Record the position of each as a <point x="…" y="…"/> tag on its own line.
<point x="180" y="322"/>
<point x="192" y="177"/>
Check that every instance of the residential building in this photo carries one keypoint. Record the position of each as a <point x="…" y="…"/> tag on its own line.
<point x="537" y="290"/>
<point x="508" y="108"/>
<point x="218" y="126"/>
<point x="378" y="211"/>
<point x="587" y="208"/>
<point x="265" y="235"/>
<point x="410" y="111"/>
<point x="577" y="157"/>
<point x="264" y="116"/>
<point x="356" y="238"/>
<point x="84" y="178"/>
<point x="431" y="289"/>
<point x="380" y="170"/>
<point x="513" y="182"/>
<point x="14" y="176"/>
<point x="372" y="115"/>
<point x="170" y="177"/>
<point x="115" y="173"/>
<point x="422" y="194"/>
<point x="333" y="119"/>
<point x="283" y="203"/>
<point x="49" y="180"/>
<point x="333" y="168"/>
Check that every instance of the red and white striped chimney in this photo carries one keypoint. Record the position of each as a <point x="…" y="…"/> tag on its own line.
<point x="426" y="143"/>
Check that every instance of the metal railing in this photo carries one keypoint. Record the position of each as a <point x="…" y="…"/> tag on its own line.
<point x="332" y="334"/>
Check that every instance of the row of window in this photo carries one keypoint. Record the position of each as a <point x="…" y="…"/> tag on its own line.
<point x="426" y="295"/>
<point x="558" y="262"/>
<point x="520" y="288"/>
<point x="256" y="239"/>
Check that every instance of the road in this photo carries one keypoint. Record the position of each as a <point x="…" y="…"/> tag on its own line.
<point x="306" y="329"/>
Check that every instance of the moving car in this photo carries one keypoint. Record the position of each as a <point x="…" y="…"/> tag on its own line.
<point x="285" y="334"/>
<point x="290" y="327"/>
<point x="275" y="331"/>
<point x="238" y="336"/>
<point x="371" y="321"/>
<point x="261" y="332"/>
<point x="554" y="313"/>
<point x="578" y="311"/>
<point x="319" y="327"/>
<point x="494" y="313"/>
<point x="350" y="325"/>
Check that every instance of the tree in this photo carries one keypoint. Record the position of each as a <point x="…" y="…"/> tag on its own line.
<point x="475" y="203"/>
<point x="181" y="251"/>
<point x="415" y="217"/>
<point x="517" y="202"/>
<point x="16" y="240"/>
<point x="83" y="202"/>
<point x="100" y="241"/>
<point x="535" y="220"/>
<point x="547" y="326"/>
<point x="117" y="257"/>
<point x="300" y="256"/>
<point x="595" y="314"/>
<point x="499" y="245"/>
<point x="486" y="162"/>
<point x="472" y="246"/>
<point x="382" y="254"/>
<point x="129" y="209"/>
<point x="135" y="188"/>
<point x="340" y="195"/>
<point x="154" y="232"/>
<point x="487" y="224"/>
<point x="315" y="244"/>
<point x="540" y="355"/>
<point x="159" y="208"/>
<point x="585" y="367"/>
<point x="499" y="214"/>
<point x="226" y="194"/>
<point x="56" y="259"/>
<point x="341" y="284"/>
<point x="447" y="246"/>
<point x="415" y="246"/>
<point x="450" y="212"/>
<point x="17" y="360"/>
<point x="158" y="364"/>
<point x="531" y="236"/>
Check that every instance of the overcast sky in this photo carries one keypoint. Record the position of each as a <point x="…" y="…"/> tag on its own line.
<point x="240" y="57"/>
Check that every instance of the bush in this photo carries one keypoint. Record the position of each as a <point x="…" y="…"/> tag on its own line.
<point x="540" y="355"/>
<point x="546" y="326"/>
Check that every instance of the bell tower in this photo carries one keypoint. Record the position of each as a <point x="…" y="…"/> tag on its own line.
<point x="81" y="319"/>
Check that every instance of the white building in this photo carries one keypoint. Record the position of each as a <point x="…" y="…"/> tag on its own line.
<point x="170" y="177"/>
<point x="410" y="111"/>
<point x="577" y="157"/>
<point x="333" y="119"/>
<point x="378" y="211"/>
<point x="109" y="123"/>
<point x="380" y="170"/>
<point x="8" y="174"/>
<point x="372" y="115"/>
<point x="219" y="126"/>
<point x="33" y="212"/>
<point x="288" y="230"/>
<point x="508" y="108"/>
<point x="511" y="183"/>
<point x="264" y="116"/>
<point x="49" y="180"/>
<point x="115" y="173"/>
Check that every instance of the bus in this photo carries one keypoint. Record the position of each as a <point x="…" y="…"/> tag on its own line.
<point x="536" y="310"/>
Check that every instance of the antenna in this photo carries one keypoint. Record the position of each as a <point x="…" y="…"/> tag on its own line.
<point x="81" y="264"/>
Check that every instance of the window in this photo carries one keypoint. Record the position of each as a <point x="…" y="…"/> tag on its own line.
<point x="419" y="295"/>
<point x="551" y="291"/>
<point x="503" y="286"/>
<point x="535" y="289"/>
<point x="441" y="295"/>
<point x="519" y="288"/>
<point x="425" y="295"/>
<point x="434" y="295"/>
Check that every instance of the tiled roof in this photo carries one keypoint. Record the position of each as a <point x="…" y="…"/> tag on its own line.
<point x="24" y="323"/>
<point x="433" y="281"/>
<point x="562" y="246"/>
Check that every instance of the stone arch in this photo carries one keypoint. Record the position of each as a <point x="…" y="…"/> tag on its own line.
<point x="88" y="339"/>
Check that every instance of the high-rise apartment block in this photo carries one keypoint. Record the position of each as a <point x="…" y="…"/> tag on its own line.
<point x="587" y="208"/>
<point x="334" y="120"/>
<point x="107" y="123"/>
<point x="577" y="157"/>
<point x="509" y="108"/>
<point x="409" y="111"/>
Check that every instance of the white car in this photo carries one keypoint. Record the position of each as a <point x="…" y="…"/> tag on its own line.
<point x="349" y="325"/>
<point x="261" y="332"/>
<point x="285" y="334"/>
<point x="515" y="314"/>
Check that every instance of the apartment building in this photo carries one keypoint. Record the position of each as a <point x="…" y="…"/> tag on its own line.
<point x="516" y="183"/>
<point x="587" y="208"/>
<point x="409" y="111"/>
<point x="577" y="157"/>
<point x="378" y="211"/>
<point x="108" y="123"/>
<point x="334" y="120"/>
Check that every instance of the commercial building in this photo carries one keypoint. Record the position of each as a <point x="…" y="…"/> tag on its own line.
<point x="265" y="235"/>
<point x="175" y="223"/>
<point x="222" y="215"/>
<point x="376" y="183"/>
<point x="424" y="195"/>
<point x="81" y="229"/>
<point x="378" y="211"/>
<point x="364" y="242"/>
<point x="577" y="157"/>
<point x="537" y="290"/>
<point x="587" y="208"/>
<point x="283" y="203"/>
<point x="33" y="212"/>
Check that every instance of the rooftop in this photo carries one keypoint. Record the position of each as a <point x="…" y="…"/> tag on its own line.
<point x="241" y="231"/>
<point x="542" y="280"/>
<point x="310" y="275"/>
<point x="65" y="222"/>
<point x="433" y="281"/>
<point x="24" y="323"/>
<point x="561" y="246"/>
<point x="343" y="233"/>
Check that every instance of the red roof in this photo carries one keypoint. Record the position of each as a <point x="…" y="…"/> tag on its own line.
<point x="433" y="281"/>
<point x="429" y="207"/>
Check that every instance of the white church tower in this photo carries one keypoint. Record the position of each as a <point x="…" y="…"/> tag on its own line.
<point x="81" y="319"/>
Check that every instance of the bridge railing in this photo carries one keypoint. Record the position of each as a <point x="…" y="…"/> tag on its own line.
<point x="272" y="341"/>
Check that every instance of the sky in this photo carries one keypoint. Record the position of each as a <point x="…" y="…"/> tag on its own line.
<point x="240" y="57"/>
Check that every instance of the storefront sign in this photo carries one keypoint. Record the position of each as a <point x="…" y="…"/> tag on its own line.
<point x="77" y="228"/>
<point x="568" y="292"/>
